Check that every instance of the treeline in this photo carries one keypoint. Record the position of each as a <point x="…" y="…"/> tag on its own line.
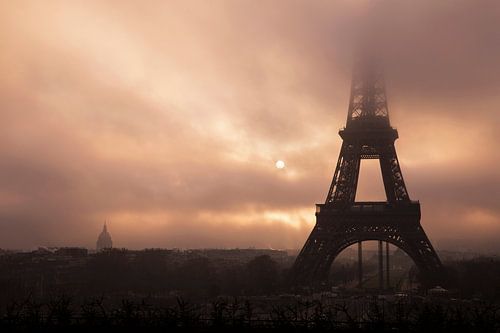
<point x="149" y="272"/>
<point x="230" y="315"/>
<point x="162" y="273"/>
<point x="475" y="278"/>
<point x="153" y="273"/>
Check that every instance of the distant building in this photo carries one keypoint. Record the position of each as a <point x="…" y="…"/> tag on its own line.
<point x="438" y="292"/>
<point x="72" y="251"/>
<point x="104" y="240"/>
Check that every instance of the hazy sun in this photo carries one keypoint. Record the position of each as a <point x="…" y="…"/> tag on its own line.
<point x="280" y="164"/>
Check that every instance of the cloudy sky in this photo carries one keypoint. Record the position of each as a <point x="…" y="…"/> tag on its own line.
<point x="166" y="117"/>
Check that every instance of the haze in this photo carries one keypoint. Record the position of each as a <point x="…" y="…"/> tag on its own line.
<point x="166" y="118"/>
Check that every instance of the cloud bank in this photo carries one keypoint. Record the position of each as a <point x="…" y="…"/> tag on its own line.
<point x="166" y="118"/>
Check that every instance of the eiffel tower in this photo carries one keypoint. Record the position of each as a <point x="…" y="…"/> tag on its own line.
<point x="341" y="221"/>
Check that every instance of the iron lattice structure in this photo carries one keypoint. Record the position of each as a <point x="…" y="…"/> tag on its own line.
<point x="341" y="221"/>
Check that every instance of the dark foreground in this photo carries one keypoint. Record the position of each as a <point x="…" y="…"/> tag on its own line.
<point x="282" y="314"/>
<point x="70" y="290"/>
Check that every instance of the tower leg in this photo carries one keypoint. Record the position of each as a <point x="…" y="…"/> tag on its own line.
<point x="380" y="265"/>
<point x="360" y="265"/>
<point x="332" y="235"/>
<point x="388" y="284"/>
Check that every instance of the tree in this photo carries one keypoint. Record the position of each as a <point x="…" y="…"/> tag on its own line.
<point x="262" y="275"/>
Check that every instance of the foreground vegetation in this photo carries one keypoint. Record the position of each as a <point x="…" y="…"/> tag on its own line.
<point x="220" y="315"/>
<point x="158" y="290"/>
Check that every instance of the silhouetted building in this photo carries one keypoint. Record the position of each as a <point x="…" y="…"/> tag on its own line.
<point x="104" y="241"/>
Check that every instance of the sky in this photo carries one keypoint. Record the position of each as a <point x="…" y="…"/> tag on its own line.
<point x="166" y="118"/>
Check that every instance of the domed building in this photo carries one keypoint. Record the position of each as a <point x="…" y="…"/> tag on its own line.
<point x="104" y="240"/>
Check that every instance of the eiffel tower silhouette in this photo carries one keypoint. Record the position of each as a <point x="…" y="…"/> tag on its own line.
<point x="341" y="221"/>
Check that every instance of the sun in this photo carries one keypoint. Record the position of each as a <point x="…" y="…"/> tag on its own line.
<point x="280" y="164"/>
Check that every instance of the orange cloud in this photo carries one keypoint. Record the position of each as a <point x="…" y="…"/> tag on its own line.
<point x="168" y="117"/>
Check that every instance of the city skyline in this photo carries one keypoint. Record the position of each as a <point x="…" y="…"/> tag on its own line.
<point x="168" y="120"/>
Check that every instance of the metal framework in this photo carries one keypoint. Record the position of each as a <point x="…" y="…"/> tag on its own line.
<point x="341" y="221"/>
